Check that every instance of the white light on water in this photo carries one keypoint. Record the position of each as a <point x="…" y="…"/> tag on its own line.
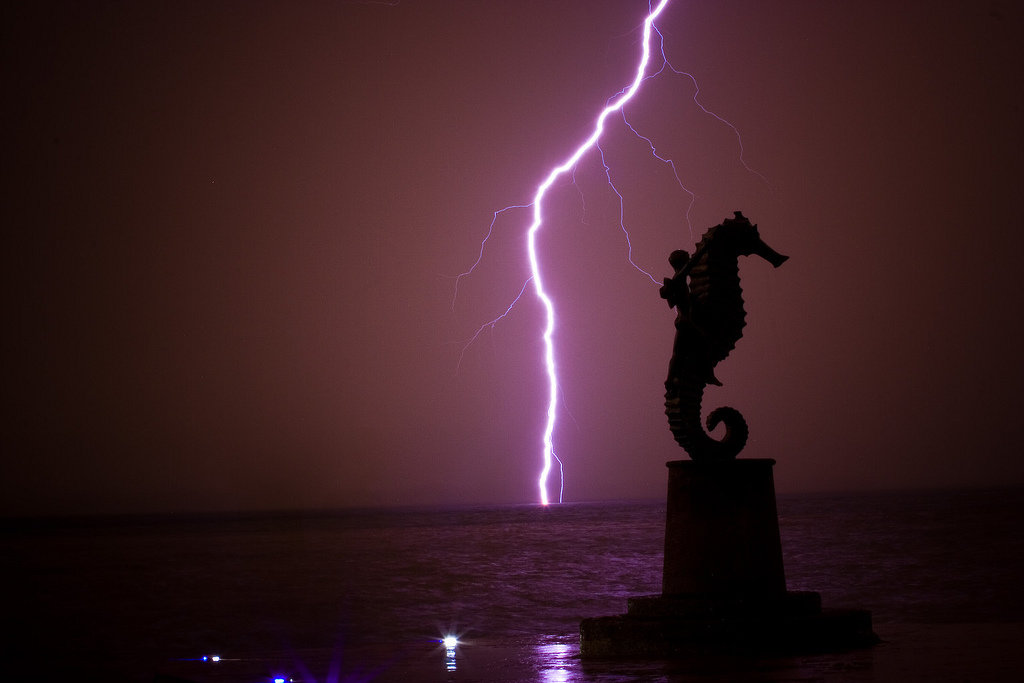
<point x="450" y="642"/>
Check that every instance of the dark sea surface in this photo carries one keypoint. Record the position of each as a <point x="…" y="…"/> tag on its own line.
<point x="366" y="595"/>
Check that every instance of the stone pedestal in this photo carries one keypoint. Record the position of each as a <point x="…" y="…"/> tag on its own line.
<point x="723" y="580"/>
<point x="722" y="529"/>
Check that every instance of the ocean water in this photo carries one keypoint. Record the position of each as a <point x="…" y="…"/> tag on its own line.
<point x="368" y="594"/>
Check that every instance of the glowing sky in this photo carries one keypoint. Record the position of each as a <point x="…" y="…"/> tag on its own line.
<point x="232" y="230"/>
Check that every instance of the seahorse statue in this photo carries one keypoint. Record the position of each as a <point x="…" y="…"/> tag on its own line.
<point x="709" y="321"/>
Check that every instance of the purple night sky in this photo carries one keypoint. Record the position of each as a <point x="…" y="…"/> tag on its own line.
<point x="232" y="230"/>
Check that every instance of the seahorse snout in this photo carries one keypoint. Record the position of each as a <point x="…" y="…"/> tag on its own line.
<point x="768" y="254"/>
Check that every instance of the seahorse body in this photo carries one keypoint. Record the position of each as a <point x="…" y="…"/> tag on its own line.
<point x="710" y="320"/>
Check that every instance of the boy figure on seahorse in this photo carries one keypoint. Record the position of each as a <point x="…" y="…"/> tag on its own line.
<point x="709" y="321"/>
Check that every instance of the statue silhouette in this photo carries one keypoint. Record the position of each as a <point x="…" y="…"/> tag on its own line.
<point x="705" y="291"/>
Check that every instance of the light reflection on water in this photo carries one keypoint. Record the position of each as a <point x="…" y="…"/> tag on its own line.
<point x="554" y="658"/>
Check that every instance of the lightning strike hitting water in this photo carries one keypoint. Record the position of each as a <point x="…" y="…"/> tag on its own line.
<point x="613" y="105"/>
<point x="531" y="246"/>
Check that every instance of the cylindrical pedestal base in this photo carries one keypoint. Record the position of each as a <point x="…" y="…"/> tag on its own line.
<point x="722" y="530"/>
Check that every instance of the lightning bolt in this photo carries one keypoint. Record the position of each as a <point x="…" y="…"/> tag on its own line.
<point x="550" y="365"/>
<point x="613" y="105"/>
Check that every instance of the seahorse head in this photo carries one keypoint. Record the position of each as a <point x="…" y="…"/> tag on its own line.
<point x="740" y="237"/>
